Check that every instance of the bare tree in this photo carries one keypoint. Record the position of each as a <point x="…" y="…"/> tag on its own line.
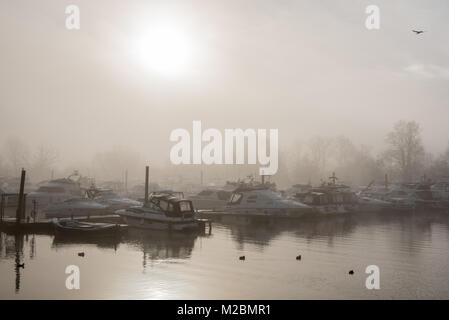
<point x="320" y="150"/>
<point x="17" y="154"/>
<point x="43" y="160"/>
<point x="406" y="150"/>
<point x="439" y="168"/>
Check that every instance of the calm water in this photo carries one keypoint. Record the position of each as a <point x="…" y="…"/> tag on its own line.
<point x="411" y="250"/>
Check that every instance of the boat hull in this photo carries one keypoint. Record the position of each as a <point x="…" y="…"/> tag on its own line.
<point x="153" y="224"/>
<point x="78" y="228"/>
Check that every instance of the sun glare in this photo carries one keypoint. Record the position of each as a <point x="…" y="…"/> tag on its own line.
<point x="165" y="49"/>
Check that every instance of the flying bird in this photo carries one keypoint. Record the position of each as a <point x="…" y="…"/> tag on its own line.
<point x="418" y="31"/>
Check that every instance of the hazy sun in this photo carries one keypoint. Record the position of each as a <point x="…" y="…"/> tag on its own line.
<point x="165" y="48"/>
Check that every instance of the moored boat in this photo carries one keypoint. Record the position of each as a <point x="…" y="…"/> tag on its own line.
<point x="162" y="212"/>
<point x="77" y="227"/>
<point x="261" y="200"/>
<point x="330" y="198"/>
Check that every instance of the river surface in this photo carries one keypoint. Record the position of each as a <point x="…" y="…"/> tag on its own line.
<point x="410" y="250"/>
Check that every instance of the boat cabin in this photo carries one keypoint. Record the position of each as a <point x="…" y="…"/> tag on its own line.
<point x="171" y="206"/>
<point x="324" y="197"/>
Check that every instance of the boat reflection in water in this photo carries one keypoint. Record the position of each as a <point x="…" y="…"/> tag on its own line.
<point x="159" y="244"/>
<point x="150" y="264"/>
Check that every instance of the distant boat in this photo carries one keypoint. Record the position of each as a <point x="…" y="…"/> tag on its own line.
<point x="210" y="199"/>
<point x="77" y="227"/>
<point x="55" y="191"/>
<point x="261" y="200"/>
<point x="75" y="207"/>
<point x="330" y="198"/>
<point x="110" y="199"/>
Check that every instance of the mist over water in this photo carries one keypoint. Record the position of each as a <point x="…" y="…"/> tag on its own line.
<point x="361" y="113"/>
<point x="80" y="99"/>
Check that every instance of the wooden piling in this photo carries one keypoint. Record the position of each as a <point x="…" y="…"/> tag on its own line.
<point x="2" y="207"/>
<point x="147" y="176"/>
<point x="20" y="207"/>
<point x="126" y="182"/>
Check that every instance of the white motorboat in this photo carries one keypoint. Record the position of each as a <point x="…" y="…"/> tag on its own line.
<point x="367" y="204"/>
<point x="261" y="200"/>
<point x="440" y="190"/>
<point x="162" y="212"/>
<point x="76" y="207"/>
<point x="110" y="199"/>
<point x="210" y="199"/>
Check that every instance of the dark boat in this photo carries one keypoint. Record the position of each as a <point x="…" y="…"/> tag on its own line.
<point x="77" y="227"/>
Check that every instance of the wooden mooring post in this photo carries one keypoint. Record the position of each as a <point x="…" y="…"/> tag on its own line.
<point x="147" y="177"/>
<point x="2" y="207"/>
<point x="21" y="206"/>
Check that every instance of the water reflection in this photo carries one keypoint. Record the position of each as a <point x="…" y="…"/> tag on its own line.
<point x="102" y="242"/>
<point x="262" y="231"/>
<point x="159" y="245"/>
<point x="11" y="247"/>
<point x="414" y="228"/>
<point x="404" y="245"/>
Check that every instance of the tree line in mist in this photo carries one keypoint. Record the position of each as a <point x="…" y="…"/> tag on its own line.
<point x="403" y="159"/>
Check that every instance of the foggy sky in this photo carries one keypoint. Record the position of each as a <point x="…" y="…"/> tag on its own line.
<point x="305" y="67"/>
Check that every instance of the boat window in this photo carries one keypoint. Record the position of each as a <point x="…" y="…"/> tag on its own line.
<point x="163" y="205"/>
<point x="309" y="200"/>
<point x="236" y="198"/>
<point x="251" y="199"/>
<point x="184" y="206"/>
<point x="170" y="207"/>
<point x="152" y="206"/>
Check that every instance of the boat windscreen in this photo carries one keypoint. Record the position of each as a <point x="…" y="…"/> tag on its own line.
<point x="236" y="198"/>
<point x="184" y="206"/>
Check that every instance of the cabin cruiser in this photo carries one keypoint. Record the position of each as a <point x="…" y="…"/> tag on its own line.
<point x="260" y="200"/>
<point x="440" y="190"/>
<point x="55" y="191"/>
<point x="419" y="194"/>
<point x="210" y="199"/>
<point x="367" y="204"/>
<point x="110" y="199"/>
<point x="75" y="207"/>
<point x="296" y="188"/>
<point x="409" y="196"/>
<point x="162" y="212"/>
<point x="330" y="199"/>
<point x="138" y="191"/>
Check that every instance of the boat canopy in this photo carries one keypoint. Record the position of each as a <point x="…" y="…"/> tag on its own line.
<point x="170" y="205"/>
